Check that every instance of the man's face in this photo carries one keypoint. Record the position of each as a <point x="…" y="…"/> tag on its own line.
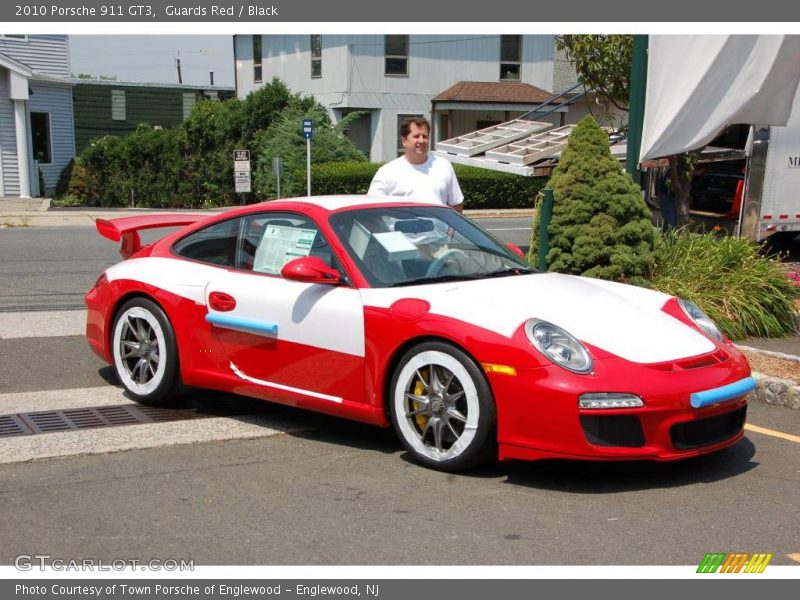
<point x="415" y="143"/>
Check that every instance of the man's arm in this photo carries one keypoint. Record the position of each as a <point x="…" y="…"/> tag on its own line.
<point x="378" y="185"/>
<point x="459" y="208"/>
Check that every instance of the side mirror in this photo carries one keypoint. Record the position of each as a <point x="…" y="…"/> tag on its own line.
<point x="310" y="269"/>
<point x="515" y="249"/>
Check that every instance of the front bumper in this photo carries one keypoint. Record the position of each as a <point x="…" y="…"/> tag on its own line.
<point x="539" y="416"/>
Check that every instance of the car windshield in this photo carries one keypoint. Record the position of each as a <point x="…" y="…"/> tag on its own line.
<point x="396" y="246"/>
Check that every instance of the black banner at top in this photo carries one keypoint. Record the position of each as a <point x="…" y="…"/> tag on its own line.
<point x="406" y="11"/>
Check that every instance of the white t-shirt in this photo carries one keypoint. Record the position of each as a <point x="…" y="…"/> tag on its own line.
<point x="432" y="181"/>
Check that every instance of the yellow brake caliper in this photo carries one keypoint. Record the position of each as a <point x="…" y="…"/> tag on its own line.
<point x="419" y="390"/>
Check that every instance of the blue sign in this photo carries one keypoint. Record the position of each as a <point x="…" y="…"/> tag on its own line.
<point x="308" y="128"/>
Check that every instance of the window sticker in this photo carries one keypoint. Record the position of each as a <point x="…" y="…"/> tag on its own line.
<point x="280" y="244"/>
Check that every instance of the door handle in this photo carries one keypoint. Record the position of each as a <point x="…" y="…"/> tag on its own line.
<point x="221" y="302"/>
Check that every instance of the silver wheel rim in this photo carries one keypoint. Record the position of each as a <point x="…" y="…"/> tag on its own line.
<point x="436" y="404"/>
<point x="139" y="350"/>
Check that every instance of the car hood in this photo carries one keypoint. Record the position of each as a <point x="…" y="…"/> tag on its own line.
<point x="625" y="320"/>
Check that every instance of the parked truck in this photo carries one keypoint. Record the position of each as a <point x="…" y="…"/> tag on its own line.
<point x="772" y="181"/>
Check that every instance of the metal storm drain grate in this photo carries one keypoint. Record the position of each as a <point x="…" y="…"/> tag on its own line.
<point x="87" y="418"/>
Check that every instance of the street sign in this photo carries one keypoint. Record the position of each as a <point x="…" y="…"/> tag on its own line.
<point x="241" y="171"/>
<point x="308" y="128"/>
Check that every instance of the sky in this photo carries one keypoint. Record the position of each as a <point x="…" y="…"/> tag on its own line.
<point x="152" y="58"/>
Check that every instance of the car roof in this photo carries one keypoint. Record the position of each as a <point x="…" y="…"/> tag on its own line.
<point x="336" y="203"/>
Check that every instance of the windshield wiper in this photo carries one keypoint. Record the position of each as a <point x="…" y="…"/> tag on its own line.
<point x="507" y="272"/>
<point x="438" y="279"/>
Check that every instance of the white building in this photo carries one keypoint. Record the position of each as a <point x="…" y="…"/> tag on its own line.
<point x="459" y="82"/>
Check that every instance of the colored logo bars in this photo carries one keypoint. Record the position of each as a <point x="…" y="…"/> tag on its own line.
<point x="734" y="563"/>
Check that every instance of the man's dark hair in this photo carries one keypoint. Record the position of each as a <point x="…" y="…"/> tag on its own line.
<point x="405" y="126"/>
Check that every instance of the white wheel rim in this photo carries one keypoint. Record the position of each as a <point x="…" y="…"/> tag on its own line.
<point x="456" y="430"/>
<point x="139" y="350"/>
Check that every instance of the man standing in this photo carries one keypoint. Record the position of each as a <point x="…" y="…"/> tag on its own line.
<point x="416" y="175"/>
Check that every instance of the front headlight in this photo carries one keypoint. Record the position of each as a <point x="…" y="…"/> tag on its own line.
<point x="559" y="346"/>
<point x="701" y="319"/>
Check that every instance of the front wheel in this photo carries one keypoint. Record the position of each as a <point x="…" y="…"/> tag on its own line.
<point x="442" y="407"/>
<point x="145" y="353"/>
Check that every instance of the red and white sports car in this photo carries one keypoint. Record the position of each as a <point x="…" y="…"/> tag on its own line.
<point x="410" y="315"/>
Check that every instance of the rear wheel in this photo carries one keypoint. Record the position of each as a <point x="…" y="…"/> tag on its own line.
<point x="145" y="353"/>
<point x="442" y="407"/>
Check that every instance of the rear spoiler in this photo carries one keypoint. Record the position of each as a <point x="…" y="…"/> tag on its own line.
<point x="127" y="229"/>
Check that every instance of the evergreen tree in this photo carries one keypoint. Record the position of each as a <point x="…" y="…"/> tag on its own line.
<point x="601" y="224"/>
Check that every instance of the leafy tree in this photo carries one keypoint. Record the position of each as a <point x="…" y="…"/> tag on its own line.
<point x="603" y="63"/>
<point x="284" y="138"/>
<point x="600" y="225"/>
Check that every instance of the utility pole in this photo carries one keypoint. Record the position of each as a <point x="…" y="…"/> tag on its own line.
<point x="178" y="65"/>
<point x="211" y="78"/>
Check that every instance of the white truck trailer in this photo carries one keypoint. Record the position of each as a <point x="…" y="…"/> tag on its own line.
<point x="772" y="180"/>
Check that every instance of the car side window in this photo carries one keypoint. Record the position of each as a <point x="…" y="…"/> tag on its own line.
<point x="215" y="244"/>
<point x="270" y="240"/>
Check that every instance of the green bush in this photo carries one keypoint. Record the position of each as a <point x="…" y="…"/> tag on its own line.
<point x="744" y="292"/>
<point x="342" y="177"/>
<point x="64" y="178"/>
<point x="482" y="188"/>
<point x="600" y="225"/>
<point x="186" y="166"/>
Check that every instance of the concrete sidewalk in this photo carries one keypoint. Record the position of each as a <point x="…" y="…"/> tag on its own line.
<point x="37" y="212"/>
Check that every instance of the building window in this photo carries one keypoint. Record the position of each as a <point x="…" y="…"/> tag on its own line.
<point x="400" y="119"/>
<point x="396" y="52"/>
<point x="118" y="105"/>
<point x="257" y="74"/>
<point x="40" y="134"/>
<point x="510" y="57"/>
<point x="189" y="100"/>
<point x="316" y="56"/>
<point x="15" y="36"/>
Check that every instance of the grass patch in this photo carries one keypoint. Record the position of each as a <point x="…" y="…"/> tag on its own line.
<point x="743" y="291"/>
<point x="67" y="201"/>
<point x="14" y="222"/>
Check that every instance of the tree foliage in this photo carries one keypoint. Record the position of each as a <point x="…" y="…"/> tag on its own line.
<point x="603" y="63"/>
<point x="600" y="225"/>
<point x="190" y="165"/>
<point x="284" y="138"/>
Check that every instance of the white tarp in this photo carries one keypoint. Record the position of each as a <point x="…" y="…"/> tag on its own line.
<point x="699" y="84"/>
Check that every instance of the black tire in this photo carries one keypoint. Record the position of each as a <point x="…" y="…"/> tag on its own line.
<point x="144" y="352"/>
<point x="447" y="422"/>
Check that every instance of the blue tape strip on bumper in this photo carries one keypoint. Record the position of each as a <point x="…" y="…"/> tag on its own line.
<point x="239" y="324"/>
<point x="721" y="394"/>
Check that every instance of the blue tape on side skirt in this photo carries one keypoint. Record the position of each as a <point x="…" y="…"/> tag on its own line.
<point x="239" y="324"/>
<point x="721" y="394"/>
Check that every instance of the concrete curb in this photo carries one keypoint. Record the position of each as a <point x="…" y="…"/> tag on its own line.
<point x="775" y="391"/>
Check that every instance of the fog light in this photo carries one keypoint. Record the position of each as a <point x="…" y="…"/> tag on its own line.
<point x="602" y="400"/>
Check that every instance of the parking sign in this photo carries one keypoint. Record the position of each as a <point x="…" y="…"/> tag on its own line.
<point x="308" y="128"/>
<point x="241" y="171"/>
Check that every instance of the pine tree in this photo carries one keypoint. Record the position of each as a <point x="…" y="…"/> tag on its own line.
<point x="601" y="224"/>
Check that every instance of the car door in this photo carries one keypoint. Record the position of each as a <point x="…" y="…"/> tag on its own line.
<point x="295" y="340"/>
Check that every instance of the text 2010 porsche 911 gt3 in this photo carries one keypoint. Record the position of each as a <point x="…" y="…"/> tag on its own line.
<point x="409" y="314"/>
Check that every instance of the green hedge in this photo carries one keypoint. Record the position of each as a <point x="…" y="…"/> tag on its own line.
<point x="482" y="188"/>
